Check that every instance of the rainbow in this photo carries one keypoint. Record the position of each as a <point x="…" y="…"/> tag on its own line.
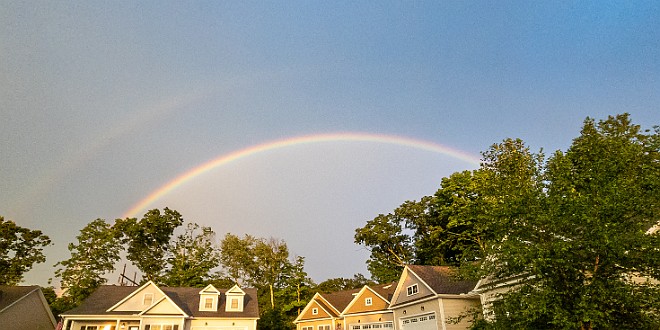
<point x="294" y="141"/>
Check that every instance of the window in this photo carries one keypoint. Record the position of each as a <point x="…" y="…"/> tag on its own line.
<point x="148" y="299"/>
<point x="208" y="303"/>
<point x="307" y="328"/>
<point x="315" y="311"/>
<point x="324" y="327"/>
<point x="89" y="327"/>
<point x="412" y="290"/>
<point x="234" y="303"/>
<point x="367" y="301"/>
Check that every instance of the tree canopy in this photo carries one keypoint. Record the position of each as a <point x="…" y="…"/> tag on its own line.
<point x="573" y="228"/>
<point x="20" y="249"/>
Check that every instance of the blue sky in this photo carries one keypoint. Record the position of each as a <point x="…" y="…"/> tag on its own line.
<point x="104" y="102"/>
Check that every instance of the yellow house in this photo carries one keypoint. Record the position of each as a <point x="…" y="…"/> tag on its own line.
<point x="369" y="308"/>
<point x="151" y="307"/>
<point x="323" y="312"/>
<point x="430" y="298"/>
<point x="364" y="308"/>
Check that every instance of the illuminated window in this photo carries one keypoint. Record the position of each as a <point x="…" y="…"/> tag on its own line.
<point x="208" y="303"/>
<point x="234" y="303"/>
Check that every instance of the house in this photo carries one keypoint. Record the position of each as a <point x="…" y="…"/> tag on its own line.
<point x="430" y="298"/>
<point x="150" y="307"/>
<point x="364" y="308"/>
<point x="323" y="311"/>
<point x="369" y="308"/>
<point x="24" y="307"/>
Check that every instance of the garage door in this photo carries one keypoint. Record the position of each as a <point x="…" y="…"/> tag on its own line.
<point x="420" y="322"/>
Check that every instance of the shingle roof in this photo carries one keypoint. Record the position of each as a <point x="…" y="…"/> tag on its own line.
<point x="385" y="290"/>
<point x="340" y="299"/>
<point x="11" y="294"/>
<point x="187" y="299"/>
<point x="442" y="279"/>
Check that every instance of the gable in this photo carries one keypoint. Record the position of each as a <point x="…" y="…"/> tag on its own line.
<point x="410" y="281"/>
<point x="140" y="299"/>
<point x="361" y="300"/>
<point x="164" y="306"/>
<point x="322" y="311"/>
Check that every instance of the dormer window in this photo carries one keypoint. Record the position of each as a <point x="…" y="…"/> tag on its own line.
<point x="235" y="298"/>
<point x="412" y="290"/>
<point x="208" y="299"/>
<point x="368" y="301"/>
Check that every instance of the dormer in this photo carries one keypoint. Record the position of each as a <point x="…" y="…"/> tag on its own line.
<point x="235" y="299"/>
<point x="208" y="299"/>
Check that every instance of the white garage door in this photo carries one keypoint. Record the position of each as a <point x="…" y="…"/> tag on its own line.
<point x="420" y="322"/>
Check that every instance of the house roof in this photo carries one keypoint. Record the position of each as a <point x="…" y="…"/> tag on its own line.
<point x="187" y="299"/>
<point x="340" y="299"/>
<point x="441" y="279"/>
<point x="385" y="290"/>
<point x="11" y="294"/>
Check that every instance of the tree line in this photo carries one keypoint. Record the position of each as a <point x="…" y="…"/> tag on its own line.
<point x="580" y="228"/>
<point x="193" y="258"/>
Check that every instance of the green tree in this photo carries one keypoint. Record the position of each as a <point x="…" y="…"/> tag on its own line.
<point x="148" y="240"/>
<point x="340" y="284"/>
<point x="297" y="288"/>
<point x="264" y="264"/>
<point x="391" y="248"/>
<point x="448" y="228"/>
<point x="576" y="228"/>
<point x="92" y="257"/>
<point x="193" y="255"/>
<point x="20" y="249"/>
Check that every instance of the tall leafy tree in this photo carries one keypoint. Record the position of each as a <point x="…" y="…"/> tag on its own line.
<point x="264" y="264"/>
<point x="92" y="257"/>
<point x="391" y="248"/>
<point x="148" y="240"/>
<point x="578" y="232"/>
<point x="193" y="255"/>
<point x="20" y="249"/>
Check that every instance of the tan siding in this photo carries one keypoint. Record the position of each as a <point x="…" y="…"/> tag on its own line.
<point x="309" y="316"/>
<point x="455" y="308"/>
<point x="370" y="318"/>
<point x="409" y="280"/>
<point x="359" y="305"/>
<point x="430" y="307"/>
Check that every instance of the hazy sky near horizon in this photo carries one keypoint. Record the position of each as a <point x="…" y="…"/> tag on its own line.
<point x="102" y="103"/>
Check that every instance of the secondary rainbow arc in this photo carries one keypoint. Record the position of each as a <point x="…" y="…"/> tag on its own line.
<point x="294" y="141"/>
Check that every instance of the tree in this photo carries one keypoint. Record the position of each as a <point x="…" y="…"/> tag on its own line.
<point x="148" y="240"/>
<point x="193" y="255"/>
<point x="576" y="229"/>
<point x="20" y="249"/>
<point x="390" y="247"/>
<point x="340" y="284"/>
<point x="92" y="257"/>
<point x="264" y="264"/>
<point x="448" y="228"/>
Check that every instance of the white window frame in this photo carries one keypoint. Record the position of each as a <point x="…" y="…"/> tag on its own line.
<point x="412" y="290"/>
<point x="315" y="311"/>
<point x="368" y="301"/>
